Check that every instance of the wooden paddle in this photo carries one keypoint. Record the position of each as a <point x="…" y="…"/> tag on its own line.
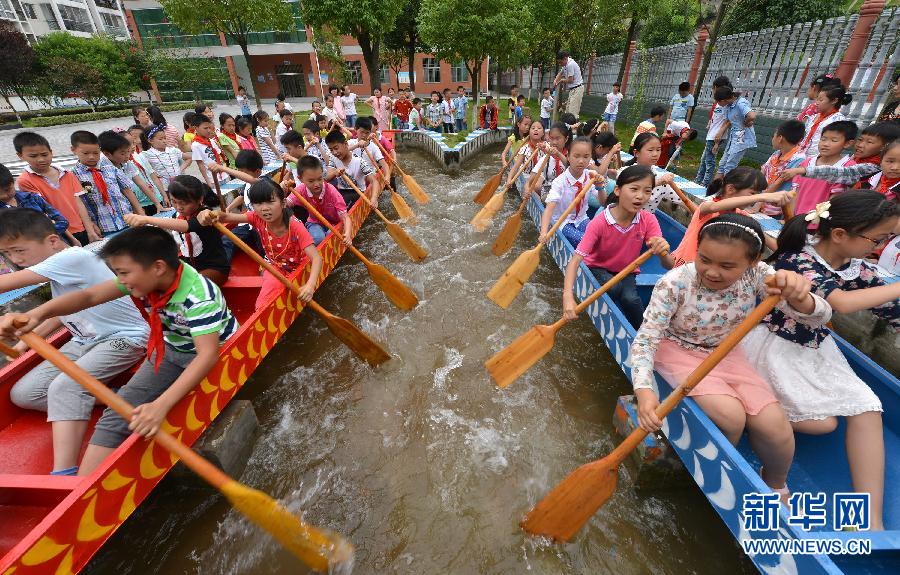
<point x="394" y="289"/>
<point x="320" y="549"/>
<point x="490" y="186"/>
<point x="517" y="275"/>
<point x="512" y="226"/>
<point x="353" y="337"/>
<point x="412" y="249"/>
<point x="788" y="211"/>
<point x="8" y="351"/>
<point x="688" y="203"/>
<point x="219" y="191"/>
<point x="277" y="179"/>
<point x="411" y="184"/>
<point x="483" y="218"/>
<point x="571" y="503"/>
<point x="400" y="205"/>
<point x="508" y="364"/>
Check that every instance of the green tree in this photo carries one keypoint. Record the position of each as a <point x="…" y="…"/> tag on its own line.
<point x="16" y="65"/>
<point x="404" y="38"/>
<point x="671" y="23"/>
<point x="635" y="11"/>
<point x="471" y="30"/>
<point x="237" y="19"/>
<point x="750" y="15"/>
<point x="328" y="48"/>
<point x="366" y="20"/>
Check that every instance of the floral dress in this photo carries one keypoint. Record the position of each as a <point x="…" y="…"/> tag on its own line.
<point x="810" y="376"/>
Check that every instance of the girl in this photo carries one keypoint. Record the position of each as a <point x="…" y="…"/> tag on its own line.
<point x="244" y="129"/>
<point x="557" y="148"/>
<point x="143" y="169"/>
<point x="828" y="103"/>
<point x="227" y="136"/>
<point x="887" y="181"/>
<point x="188" y="136"/>
<point x="528" y="152"/>
<point x="647" y="148"/>
<point x="200" y="246"/>
<point x="614" y="239"/>
<point x="692" y="309"/>
<point x="166" y="161"/>
<point x="519" y="131"/>
<point x="141" y="116"/>
<point x="380" y="106"/>
<point x="173" y="136"/>
<point x="809" y="374"/>
<point x="348" y="101"/>
<point x="284" y="239"/>
<point x="740" y="188"/>
<point x="812" y="93"/>
<point x="267" y="146"/>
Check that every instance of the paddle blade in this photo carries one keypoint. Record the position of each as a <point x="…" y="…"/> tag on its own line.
<point x="412" y="249"/>
<point x="517" y="275"/>
<point x="404" y="212"/>
<point x="415" y="189"/>
<point x="487" y="189"/>
<point x="568" y="507"/>
<point x="395" y="290"/>
<point x="508" y="364"/>
<point x="320" y="549"/>
<point x="508" y="234"/>
<point x="484" y="217"/>
<point x="354" y="338"/>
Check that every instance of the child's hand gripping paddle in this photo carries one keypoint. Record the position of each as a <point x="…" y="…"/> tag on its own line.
<point x="512" y="226"/>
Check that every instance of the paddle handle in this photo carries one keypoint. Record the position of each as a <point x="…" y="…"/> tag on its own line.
<point x="665" y="408"/>
<point x="257" y="258"/>
<point x="521" y="169"/>
<point x="8" y="351"/>
<point x="613" y="281"/>
<point x="364" y="197"/>
<point x="688" y="203"/>
<point x="541" y="166"/>
<point x="788" y="212"/>
<point x="281" y="171"/>
<point x="195" y="462"/>
<point x="384" y="178"/>
<point x="219" y="191"/>
<point x="388" y="157"/>
<point x="309" y="207"/>
<point x="571" y="207"/>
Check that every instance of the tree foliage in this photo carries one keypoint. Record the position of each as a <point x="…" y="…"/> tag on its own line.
<point x="328" y="47"/>
<point x="670" y="22"/>
<point x="16" y="64"/>
<point x="404" y="39"/>
<point x="750" y="15"/>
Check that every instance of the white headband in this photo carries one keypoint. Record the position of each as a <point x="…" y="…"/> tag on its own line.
<point x="747" y="229"/>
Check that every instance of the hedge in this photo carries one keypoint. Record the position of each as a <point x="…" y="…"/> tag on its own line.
<point x="46" y="121"/>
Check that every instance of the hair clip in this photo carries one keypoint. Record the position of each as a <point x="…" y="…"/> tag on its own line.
<point x="819" y="213"/>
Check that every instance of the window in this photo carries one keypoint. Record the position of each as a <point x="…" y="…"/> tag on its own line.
<point x="29" y="11"/>
<point x="113" y="24"/>
<point x="75" y="18"/>
<point x="385" y="77"/>
<point x="432" y="69"/>
<point x="354" y="71"/>
<point x="459" y="73"/>
<point x="111" y="4"/>
<point x="49" y="16"/>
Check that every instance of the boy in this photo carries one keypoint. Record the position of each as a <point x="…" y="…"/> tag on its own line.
<point x="356" y="168"/>
<point x="59" y="187"/>
<point x="415" y="115"/>
<point x="461" y="104"/>
<point x="447" y="112"/>
<point x="489" y="114"/>
<point x="249" y="164"/>
<point x="787" y="155"/>
<point x="285" y="125"/>
<point x="108" y="196"/>
<point x="10" y="198"/>
<point x="716" y="128"/>
<point x="316" y="110"/>
<point x="324" y="197"/>
<point x="511" y="104"/>
<point x="834" y="139"/>
<point x="546" y="108"/>
<point x="118" y="150"/>
<point x="519" y="110"/>
<point x="365" y="132"/>
<point x="188" y="319"/>
<point x="681" y="106"/>
<point x="106" y="339"/>
<point x="315" y="147"/>
<point x="676" y="134"/>
<point x="282" y="103"/>
<point x="649" y="125"/>
<point x="403" y="107"/>
<point x="741" y="135"/>
<point x="433" y="112"/>
<point x="613" y="99"/>
<point x="205" y="148"/>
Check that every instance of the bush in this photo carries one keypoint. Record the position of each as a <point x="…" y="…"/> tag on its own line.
<point x="57" y="120"/>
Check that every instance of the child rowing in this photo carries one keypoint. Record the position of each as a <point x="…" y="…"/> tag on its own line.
<point x="358" y="169"/>
<point x="563" y="191"/>
<point x="528" y="153"/>
<point x="325" y="198"/>
<point x="614" y="239"/>
<point x="106" y="339"/>
<point x="283" y="238"/>
<point x="834" y="139"/>
<point x="809" y="374"/>
<point x="188" y="319"/>
<point x="692" y="309"/>
<point x="557" y="147"/>
<point x="647" y="148"/>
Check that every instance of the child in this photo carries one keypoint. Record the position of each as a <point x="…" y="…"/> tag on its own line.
<point x="529" y="152"/>
<point x="141" y="116"/>
<point x="243" y="103"/>
<point x="365" y="133"/>
<point x="188" y="136"/>
<point x="118" y="149"/>
<point x="106" y="339"/>
<point x="741" y="135"/>
<point x="649" y="125"/>
<point x="613" y="99"/>
<point x="267" y="147"/>
<point x="205" y="149"/>
<point x="392" y="97"/>
<point x="603" y="143"/>
<point x="819" y="82"/>
<point x="357" y="168"/>
<point x="519" y="110"/>
<point x="682" y="104"/>
<point x="511" y="105"/>
<point x="403" y="107"/>
<point x="292" y="142"/>
<point x="10" y="198"/>
<point x="563" y="191"/>
<point x="227" y="137"/>
<point x="809" y="374"/>
<point x="447" y="112"/>
<point x="433" y="112"/>
<point x="188" y="319"/>
<point x="887" y="183"/>
<point x="646" y="149"/>
<point x="59" y="187"/>
<point x="135" y="135"/>
<point x="317" y="109"/>
<point x="415" y="115"/>
<point x="740" y="188"/>
<point x="692" y="309"/>
<point x="284" y="238"/>
<point x="249" y="167"/>
<point x="546" y="108"/>
<point x="677" y="132"/>
<point x="828" y="104"/>
<point x="107" y="192"/>
<point x="244" y="129"/>
<point x="716" y="129"/>
<point x="488" y="114"/>
<point x="381" y="106"/>
<point x="173" y="136"/>
<point x="348" y="101"/>
<point x="329" y="112"/>
<point x="517" y="137"/>
<point x="325" y="198"/>
<point x="786" y="142"/>
<point x="166" y="162"/>
<point x="282" y="103"/>
<point x="198" y="245"/>
<point x="315" y="147"/>
<point x="284" y="126"/>
<point x="834" y="139"/>
<point x="558" y="149"/>
<point x="460" y="105"/>
<point x="614" y="239"/>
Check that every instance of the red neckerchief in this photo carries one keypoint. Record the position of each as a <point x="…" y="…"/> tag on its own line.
<point x="779" y="164"/>
<point x="885" y="184"/>
<point x="209" y="144"/>
<point x="157" y="302"/>
<point x="232" y="137"/>
<point x="873" y="159"/>
<point x="187" y="240"/>
<point x="100" y="184"/>
<point x="578" y="187"/>
<point x="815" y="126"/>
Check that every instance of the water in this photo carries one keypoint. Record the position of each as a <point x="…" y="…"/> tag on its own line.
<point x="422" y="463"/>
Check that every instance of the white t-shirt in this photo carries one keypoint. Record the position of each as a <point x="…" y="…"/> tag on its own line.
<point x="280" y="131"/>
<point x="717" y="120"/>
<point x="563" y="191"/>
<point x="890" y="257"/>
<point x="349" y="104"/>
<point x="371" y="147"/>
<point x="446" y="117"/>
<point x="546" y="107"/>
<point x="75" y="269"/>
<point x="203" y="153"/>
<point x="612" y="103"/>
<point x="677" y="126"/>
<point x="415" y="118"/>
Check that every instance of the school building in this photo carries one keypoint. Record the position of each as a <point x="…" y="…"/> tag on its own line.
<point x="84" y="18"/>
<point x="282" y="61"/>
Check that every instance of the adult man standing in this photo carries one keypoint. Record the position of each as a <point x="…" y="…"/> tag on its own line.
<point x="570" y="76"/>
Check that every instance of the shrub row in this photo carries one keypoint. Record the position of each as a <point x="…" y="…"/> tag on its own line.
<point x="45" y="121"/>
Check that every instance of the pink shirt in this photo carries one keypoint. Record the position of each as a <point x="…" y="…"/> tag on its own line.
<point x="811" y="191"/>
<point x="329" y="203"/>
<point x="609" y="246"/>
<point x="285" y="252"/>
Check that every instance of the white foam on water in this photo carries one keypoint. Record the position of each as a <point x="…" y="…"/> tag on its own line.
<point x="454" y="361"/>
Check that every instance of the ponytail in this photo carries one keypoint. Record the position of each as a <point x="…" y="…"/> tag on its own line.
<point x="742" y="177"/>
<point x="837" y="93"/>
